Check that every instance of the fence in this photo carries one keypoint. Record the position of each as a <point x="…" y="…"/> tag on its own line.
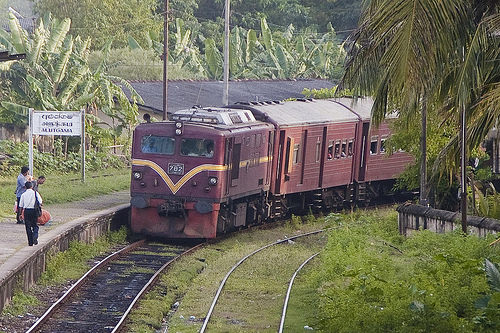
<point x="414" y="217"/>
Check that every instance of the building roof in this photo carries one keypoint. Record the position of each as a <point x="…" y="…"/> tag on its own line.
<point x="185" y="94"/>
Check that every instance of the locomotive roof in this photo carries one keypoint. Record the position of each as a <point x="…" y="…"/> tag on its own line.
<point x="215" y="116"/>
<point x="310" y="111"/>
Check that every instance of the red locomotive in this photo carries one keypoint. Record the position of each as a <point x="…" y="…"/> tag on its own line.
<point x="210" y="170"/>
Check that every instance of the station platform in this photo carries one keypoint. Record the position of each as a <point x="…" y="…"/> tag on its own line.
<point x="66" y="218"/>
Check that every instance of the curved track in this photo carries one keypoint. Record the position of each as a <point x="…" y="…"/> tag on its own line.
<point x="103" y="297"/>
<point x="217" y="295"/>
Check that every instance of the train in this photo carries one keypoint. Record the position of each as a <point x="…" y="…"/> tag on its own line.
<point x="209" y="170"/>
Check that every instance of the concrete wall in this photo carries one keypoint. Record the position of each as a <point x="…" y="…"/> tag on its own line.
<point x="23" y="270"/>
<point x="413" y="217"/>
<point x="13" y="133"/>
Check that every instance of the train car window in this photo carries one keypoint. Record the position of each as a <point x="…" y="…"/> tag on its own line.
<point x="330" y="150"/>
<point x="197" y="147"/>
<point x="373" y="145"/>
<point x="295" y="157"/>
<point x="235" y="118"/>
<point x="152" y="144"/>
<point x="337" y="149"/>
<point x="318" y="150"/>
<point x="252" y="141"/>
<point x="343" y="153"/>
<point x="382" y="144"/>
<point x="350" y="148"/>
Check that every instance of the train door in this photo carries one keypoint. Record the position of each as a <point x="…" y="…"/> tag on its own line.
<point x="270" y="150"/>
<point x="288" y="158"/>
<point x="303" y="162"/>
<point x="235" y="164"/>
<point x="232" y="160"/>
<point x="227" y="162"/>
<point x="281" y="146"/>
<point x="322" y="158"/>
<point x="363" y="152"/>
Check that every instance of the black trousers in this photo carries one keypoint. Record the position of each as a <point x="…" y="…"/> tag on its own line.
<point x="30" y="222"/>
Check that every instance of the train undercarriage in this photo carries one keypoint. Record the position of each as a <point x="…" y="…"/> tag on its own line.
<point x="259" y="208"/>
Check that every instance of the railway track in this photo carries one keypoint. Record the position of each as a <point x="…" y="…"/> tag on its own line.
<point x="104" y="296"/>
<point x="222" y="316"/>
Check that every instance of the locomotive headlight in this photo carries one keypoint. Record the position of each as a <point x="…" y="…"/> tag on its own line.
<point x="213" y="181"/>
<point x="137" y="175"/>
<point x="178" y="128"/>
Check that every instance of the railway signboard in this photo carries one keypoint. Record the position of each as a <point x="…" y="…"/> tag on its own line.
<point x="57" y="123"/>
<point x="66" y="123"/>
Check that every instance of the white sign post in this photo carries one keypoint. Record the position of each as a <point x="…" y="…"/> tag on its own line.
<point x="66" y="123"/>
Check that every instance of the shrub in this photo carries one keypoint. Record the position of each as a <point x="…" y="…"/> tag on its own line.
<point x="373" y="280"/>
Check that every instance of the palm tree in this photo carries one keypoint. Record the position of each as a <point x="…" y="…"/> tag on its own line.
<point x="412" y="54"/>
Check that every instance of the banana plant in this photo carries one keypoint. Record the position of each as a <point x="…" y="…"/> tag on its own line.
<point x="56" y="76"/>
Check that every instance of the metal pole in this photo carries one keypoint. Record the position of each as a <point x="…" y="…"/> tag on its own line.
<point x="225" y="95"/>
<point x="83" y="144"/>
<point x="165" y="61"/>
<point x="463" y="153"/>
<point x="30" y="138"/>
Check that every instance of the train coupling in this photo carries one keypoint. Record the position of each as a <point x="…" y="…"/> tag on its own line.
<point x="172" y="208"/>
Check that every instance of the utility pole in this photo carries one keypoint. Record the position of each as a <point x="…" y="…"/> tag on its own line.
<point x="165" y="60"/>
<point x="225" y="95"/>
<point x="463" y="185"/>
<point x="423" y="164"/>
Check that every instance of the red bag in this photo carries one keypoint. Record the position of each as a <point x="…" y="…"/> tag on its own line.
<point x="44" y="218"/>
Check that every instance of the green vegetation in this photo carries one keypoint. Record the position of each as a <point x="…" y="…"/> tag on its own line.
<point x="74" y="262"/>
<point x="373" y="280"/>
<point x="20" y="302"/>
<point x="368" y="278"/>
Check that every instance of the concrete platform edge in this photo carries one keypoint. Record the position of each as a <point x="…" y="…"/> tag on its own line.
<point x="24" y="268"/>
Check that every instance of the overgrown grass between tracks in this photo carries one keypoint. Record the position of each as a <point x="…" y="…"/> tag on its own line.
<point x="194" y="280"/>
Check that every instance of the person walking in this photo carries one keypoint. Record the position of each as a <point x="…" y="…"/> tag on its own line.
<point x="20" y="188"/>
<point x="27" y="204"/>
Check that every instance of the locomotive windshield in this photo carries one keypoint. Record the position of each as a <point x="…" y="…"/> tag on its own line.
<point x="197" y="147"/>
<point x="157" y="145"/>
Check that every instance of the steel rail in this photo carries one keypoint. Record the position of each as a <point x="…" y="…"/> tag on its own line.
<point x="148" y="285"/>
<point x="283" y="315"/>
<point x="36" y="326"/>
<point x="207" y="318"/>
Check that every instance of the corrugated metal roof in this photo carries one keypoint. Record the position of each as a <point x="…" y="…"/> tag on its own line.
<point x="185" y="94"/>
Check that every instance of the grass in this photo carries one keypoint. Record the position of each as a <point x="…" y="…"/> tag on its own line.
<point x="254" y="297"/>
<point x="73" y="263"/>
<point x="62" y="188"/>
